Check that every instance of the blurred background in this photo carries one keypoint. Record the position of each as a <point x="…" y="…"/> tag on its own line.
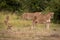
<point x="21" y="6"/>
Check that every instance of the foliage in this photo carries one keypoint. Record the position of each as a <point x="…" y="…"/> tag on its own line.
<point x="32" y="6"/>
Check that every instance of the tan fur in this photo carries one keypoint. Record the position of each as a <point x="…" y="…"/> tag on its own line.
<point x="43" y="19"/>
<point x="6" y="21"/>
<point x="30" y="16"/>
<point x="38" y="17"/>
<point x="27" y="16"/>
<point x="9" y="26"/>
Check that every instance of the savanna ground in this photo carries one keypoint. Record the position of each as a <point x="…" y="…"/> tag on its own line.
<point x="22" y="30"/>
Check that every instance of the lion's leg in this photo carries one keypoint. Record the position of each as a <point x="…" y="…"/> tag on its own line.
<point x="48" y="24"/>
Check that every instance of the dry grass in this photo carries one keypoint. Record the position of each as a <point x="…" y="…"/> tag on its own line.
<point x="21" y="30"/>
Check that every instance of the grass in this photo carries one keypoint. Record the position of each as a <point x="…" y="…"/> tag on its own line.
<point x="17" y="21"/>
<point x="23" y="25"/>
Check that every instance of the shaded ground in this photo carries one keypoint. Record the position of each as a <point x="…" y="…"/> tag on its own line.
<point x="26" y="33"/>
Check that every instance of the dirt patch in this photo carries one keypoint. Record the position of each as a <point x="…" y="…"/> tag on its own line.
<point x="28" y="34"/>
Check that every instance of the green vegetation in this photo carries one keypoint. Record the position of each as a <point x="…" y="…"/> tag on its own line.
<point x="20" y="6"/>
<point x="21" y="29"/>
<point x="17" y="21"/>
